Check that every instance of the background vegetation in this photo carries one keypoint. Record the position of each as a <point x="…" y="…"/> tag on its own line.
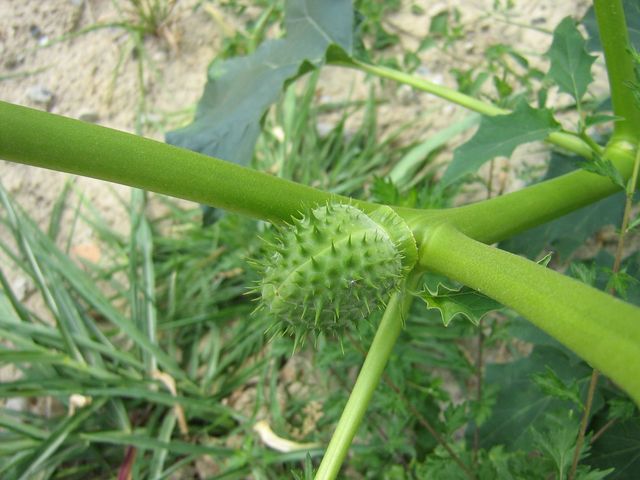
<point x="489" y="396"/>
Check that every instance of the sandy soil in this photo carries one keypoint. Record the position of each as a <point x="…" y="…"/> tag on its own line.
<point x="93" y="76"/>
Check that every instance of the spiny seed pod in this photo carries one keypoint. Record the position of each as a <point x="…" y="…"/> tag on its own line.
<point x="334" y="265"/>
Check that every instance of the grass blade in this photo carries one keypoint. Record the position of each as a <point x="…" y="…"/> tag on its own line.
<point x="57" y="437"/>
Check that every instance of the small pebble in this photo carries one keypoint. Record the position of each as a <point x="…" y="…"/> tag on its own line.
<point x="17" y="404"/>
<point x="21" y="288"/>
<point x="406" y="95"/>
<point x="35" y="32"/>
<point x="41" y="95"/>
<point x="13" y="61"/>
<point x="324" y="128"/>
<point x="90" y="117"/>
<point x="160" y="56"/>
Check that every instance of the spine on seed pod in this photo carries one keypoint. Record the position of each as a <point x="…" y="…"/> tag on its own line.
<point x="333" y="265"/>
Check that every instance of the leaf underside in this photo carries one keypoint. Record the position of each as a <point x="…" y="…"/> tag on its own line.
<point x="240" y="90"/>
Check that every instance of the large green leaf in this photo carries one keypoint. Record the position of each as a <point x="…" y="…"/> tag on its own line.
<point x="499" y="136"/>
<point x="570" y="62"/>
<point x="619" y="447"/>
<point x="240" y="90"/>
<point x="522" y="403"/>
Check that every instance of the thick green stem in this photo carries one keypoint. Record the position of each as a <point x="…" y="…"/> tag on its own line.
<point x="620" y="67"/>
<point x="596" y="326"/>
<point x="501" y="217"/>
<point x="368" y="379"/>
<point x="51" y="141"/>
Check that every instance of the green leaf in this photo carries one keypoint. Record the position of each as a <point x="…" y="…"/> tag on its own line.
<point x="499" y="136"/>
<point x="604" y="167"/>
<point x="454" y="301"/>
<point x="551" y="384"/>
<point x="46" y="449"/>
<point x="240" y="90"/>
<point x="634" y="223"/>
<point x="620" y="282"/>
<point x="557" y="443"/>
<point x="619" y="447"/>
<point x="570" y="62"/>
<point x="440" y="24"/>
<point x="621" y="409"/>
<point x="520" y="405"/>
<point x="599" y="118"/>
<point x="142" y="441"/>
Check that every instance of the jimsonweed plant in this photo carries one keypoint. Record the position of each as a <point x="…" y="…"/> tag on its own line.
<point x="334" y="261"/>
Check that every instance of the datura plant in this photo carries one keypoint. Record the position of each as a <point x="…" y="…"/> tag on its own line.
<point x="335" y="260"/>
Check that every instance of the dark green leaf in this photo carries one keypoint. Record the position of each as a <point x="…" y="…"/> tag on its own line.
<point x="604" y="167"/>
<point x="458" y="301"/>
<point x="619" y="282"/>
<point x="597" y="119"/>
<point x="621" y="409"/>
<point x="557" y="441"/>
<point x="632" y="15"/>
<point x="551" y="384"/>
<point x="585" y="273"/>
<point x="240" y="90"/>
<point x="66" y="427"/>
<point x="619" y="447"/>
<point x="499" y="136"/>
<point x="570" y="62"/>
<point x="520" y="404"/>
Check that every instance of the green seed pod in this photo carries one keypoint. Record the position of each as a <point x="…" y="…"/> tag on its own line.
<point x="334" y="265"/>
